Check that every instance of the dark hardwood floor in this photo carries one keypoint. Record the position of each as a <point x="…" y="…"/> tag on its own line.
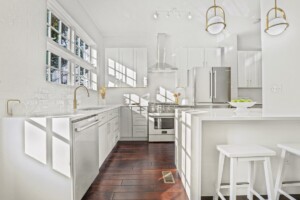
<point x="133" y="171"/>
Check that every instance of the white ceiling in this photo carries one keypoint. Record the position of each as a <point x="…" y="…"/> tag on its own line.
<point x="135" y="17"/>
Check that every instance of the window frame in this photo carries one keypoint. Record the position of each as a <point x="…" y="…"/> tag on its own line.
<point x="68" y="52"/>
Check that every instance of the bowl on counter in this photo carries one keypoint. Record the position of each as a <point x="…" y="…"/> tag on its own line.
<point x="242" y="106"/>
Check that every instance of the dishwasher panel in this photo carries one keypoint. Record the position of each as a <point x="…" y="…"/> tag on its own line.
<point x="85" y="154"/>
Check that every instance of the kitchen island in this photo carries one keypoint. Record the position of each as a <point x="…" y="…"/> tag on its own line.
<point x="199" y="131"/>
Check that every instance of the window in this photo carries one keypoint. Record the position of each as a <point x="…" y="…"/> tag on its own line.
<point x="82" y="49"/>
<point x="58" y="31"/>
<point x="66" y="67"/>
<point x="57" y="69"/>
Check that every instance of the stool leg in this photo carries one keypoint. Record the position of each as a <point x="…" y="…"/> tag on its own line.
<point x="280" y="173"/>
<point x="220" y="174"/>
<point x="251" y="178"/>
<point x="269" y="178"/>
<point x="233" y="174"/>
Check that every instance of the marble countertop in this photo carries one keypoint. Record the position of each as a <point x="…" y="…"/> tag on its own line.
<point x="224" y="114"/>
<point x="80" y="113"/>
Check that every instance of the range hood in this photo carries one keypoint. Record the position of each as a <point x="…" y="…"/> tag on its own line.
<point x="161" y="65"/>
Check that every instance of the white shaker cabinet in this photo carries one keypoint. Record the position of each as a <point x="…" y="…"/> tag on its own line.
<point x="108" y="132"/>
<point x="213" y="57"/>
<point x="134" y="123"/>
<point x="126" y="67"/>
<point x="140" y="66"/>
<point x="182" y="65"/>
<point x="249" y="69"/>
<point x="187" y="58"/>
<point x="196" y="57"/>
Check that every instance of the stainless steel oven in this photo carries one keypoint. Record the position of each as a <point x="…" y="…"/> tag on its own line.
<point x="161" y="123"/>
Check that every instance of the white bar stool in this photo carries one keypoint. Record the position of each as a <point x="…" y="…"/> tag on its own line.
<point x="287" y="150"/>
<point x="244" y="153"/>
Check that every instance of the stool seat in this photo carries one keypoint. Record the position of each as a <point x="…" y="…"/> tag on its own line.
<point x="292" y="148"/>
<point x="243" y="151"/>
<point x="287" y="150"/>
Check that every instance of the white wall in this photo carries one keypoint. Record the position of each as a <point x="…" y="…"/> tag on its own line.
<point x="280" y="63"/>
<point x="22" y="63"/>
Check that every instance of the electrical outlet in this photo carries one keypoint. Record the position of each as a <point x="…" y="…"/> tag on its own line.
<point x="276" y="88"/>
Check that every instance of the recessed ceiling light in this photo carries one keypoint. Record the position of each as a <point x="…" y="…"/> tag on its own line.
<point x="155" y="15"/>
<point x="190" y="16"/>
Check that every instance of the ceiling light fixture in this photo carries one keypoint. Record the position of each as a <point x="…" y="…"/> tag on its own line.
<point x="276" y="24"/>
<point x="215" y="23"/>
<point x="155" y="15"/>
<point x="190" y="16"/>
<point x="172" y="13"/>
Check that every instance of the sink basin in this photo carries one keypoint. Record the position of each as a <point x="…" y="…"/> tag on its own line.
<point x="91" y="108"/>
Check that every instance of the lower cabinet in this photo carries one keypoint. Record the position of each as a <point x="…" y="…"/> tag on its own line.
<point x="108" y="132"/>
<point x="134" y="123"/>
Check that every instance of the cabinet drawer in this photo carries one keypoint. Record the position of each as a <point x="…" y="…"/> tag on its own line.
<point x="102" y="117"/>
<point x="113" y="113"/>
<point x="139" y="120"/>
<point x="140" y="131"/>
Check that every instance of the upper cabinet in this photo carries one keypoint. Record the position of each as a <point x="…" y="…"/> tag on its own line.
<point x="187" y="58"/>
<point x="196" y="57"/>
<point x="249" y="69"/>
<point x="126" y="67"/>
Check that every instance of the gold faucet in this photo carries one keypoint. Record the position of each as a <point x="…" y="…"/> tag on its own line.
<point x="75" y="99"/>
<point x="7" y="105"/>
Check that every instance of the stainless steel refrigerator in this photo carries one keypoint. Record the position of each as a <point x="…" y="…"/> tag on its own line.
<point x="210" y="84"/>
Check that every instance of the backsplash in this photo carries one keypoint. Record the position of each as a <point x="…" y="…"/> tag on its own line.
<point x="53" y="99"/>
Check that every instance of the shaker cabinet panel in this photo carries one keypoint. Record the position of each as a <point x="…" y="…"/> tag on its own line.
<point x="126" y="122"/>
<point x="249" y="69"/>
<point x="213" y="57"/>
<point x="126" y="67"/>
<point x="195" y="57"/>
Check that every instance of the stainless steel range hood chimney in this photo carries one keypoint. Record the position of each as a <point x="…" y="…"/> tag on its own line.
<point x="161" y="65"/>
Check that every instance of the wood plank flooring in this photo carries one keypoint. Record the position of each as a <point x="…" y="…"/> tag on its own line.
<point x="133" y="171"/>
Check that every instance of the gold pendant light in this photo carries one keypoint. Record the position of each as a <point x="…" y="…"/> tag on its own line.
<point x="215" y="19"/>
<point x="276" y="23"/>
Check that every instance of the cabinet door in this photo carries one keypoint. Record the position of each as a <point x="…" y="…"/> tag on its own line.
<point x="102" y="137"/>
<point x="242" y="69"/>
<point x="181" y="78"/>
<point x="126" y="123"/>
<point x="249" y="69"/>
<point x="112" y="63"/>
<point x="140" y="131"/>
<point x="213" y="57"/>
<point x="182" y="58"/>
<point x="257" y="71"/>
<point x="140" y="67"/>
<point x="195" y="57"/>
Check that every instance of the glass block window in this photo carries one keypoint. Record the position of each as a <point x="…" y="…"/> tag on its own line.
<point x="58" y="31"/>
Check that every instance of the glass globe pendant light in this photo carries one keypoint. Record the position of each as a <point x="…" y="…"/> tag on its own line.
<point x="215" y="19"/>
<point x="276" y="23"/>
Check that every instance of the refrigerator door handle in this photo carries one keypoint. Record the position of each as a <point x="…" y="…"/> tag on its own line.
<point x="215" y="84"/>
<point x="210" y="85"/>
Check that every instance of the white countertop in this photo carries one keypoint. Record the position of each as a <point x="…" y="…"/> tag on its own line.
<point x="75" y="115"/>
<point x="223" y="114"/>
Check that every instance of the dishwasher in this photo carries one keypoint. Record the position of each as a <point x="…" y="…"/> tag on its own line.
<point x="85" y="154"/>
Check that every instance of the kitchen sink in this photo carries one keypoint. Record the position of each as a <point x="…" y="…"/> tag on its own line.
<point x="91" y="108"/>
